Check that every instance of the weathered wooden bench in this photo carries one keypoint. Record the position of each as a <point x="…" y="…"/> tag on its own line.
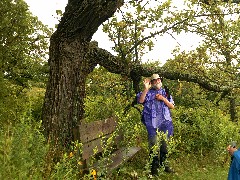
<point x="95" y="136"/>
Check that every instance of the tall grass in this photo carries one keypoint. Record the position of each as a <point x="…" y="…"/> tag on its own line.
<point x="23" y="149"/>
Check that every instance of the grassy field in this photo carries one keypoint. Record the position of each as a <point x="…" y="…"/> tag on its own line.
<point x="186" y="168"/>
<point x="192" y="170"/>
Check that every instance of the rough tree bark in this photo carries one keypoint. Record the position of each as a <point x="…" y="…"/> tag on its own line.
<point x="69" y="66"/>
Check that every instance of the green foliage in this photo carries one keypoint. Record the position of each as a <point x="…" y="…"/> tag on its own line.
<point x="100" y="107"/>
<point x="100" y="82"/>
<point x="201" y="129"/>
<point x="204" y="130"/>
<point x="13" y="102"/>
<point x="23" y="47"/>
<point x="36" y="97"/>
<point x="70" y="164"/>
<point x="23" y="43"/>
<point x="216" y="60"/>
<point x="134" y="28"/>
<point x="23" y="150"/>
<point x="105" y="92"/>
<point x="191" y="95"/>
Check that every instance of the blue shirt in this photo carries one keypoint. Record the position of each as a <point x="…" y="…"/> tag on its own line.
<point x="156" y="114"/>
<point x="234" y="171"/>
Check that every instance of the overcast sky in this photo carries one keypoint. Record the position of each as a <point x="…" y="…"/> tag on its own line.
<point x="46" y="12"/>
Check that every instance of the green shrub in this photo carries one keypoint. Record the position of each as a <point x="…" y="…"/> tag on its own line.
<point x="203" y="131"/>
<point x="12" y="102"/>
<point x="70" y="165"/>
<point x="99" y="107"/>
<point x="23" y="150"/>
<point x="36" y="98"/>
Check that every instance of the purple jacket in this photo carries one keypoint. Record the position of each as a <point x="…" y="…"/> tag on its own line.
<point x="156" y="114"/>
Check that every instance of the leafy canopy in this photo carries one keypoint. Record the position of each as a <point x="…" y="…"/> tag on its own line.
<point x="23" y="42"/>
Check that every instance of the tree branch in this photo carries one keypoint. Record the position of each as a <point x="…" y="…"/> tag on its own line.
<point x="166" y="28"/>
<point x="82" y="18"/>
<point x="115" y="65"/>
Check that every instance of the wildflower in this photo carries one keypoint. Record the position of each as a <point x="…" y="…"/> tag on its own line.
<point x="71" y="154"/>
<point x="94" y="173"/>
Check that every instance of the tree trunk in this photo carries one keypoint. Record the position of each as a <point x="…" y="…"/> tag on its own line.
<point x="63" y="106"/>
<point x="69" y="66"/>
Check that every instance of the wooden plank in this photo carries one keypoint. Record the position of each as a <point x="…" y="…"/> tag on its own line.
<point x="99" y="143"/>
<point x="123" y="155"/>
<point x="119" y="157"/>
<point x="89" y="147"/>
<point x="96" y="129"/>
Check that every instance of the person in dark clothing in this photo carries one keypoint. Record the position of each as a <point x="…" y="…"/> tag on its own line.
<point x="234" y="170"/>
<point x="156" y="116"/>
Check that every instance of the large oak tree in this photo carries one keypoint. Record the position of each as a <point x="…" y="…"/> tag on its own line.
<point x="73" y="56"/>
